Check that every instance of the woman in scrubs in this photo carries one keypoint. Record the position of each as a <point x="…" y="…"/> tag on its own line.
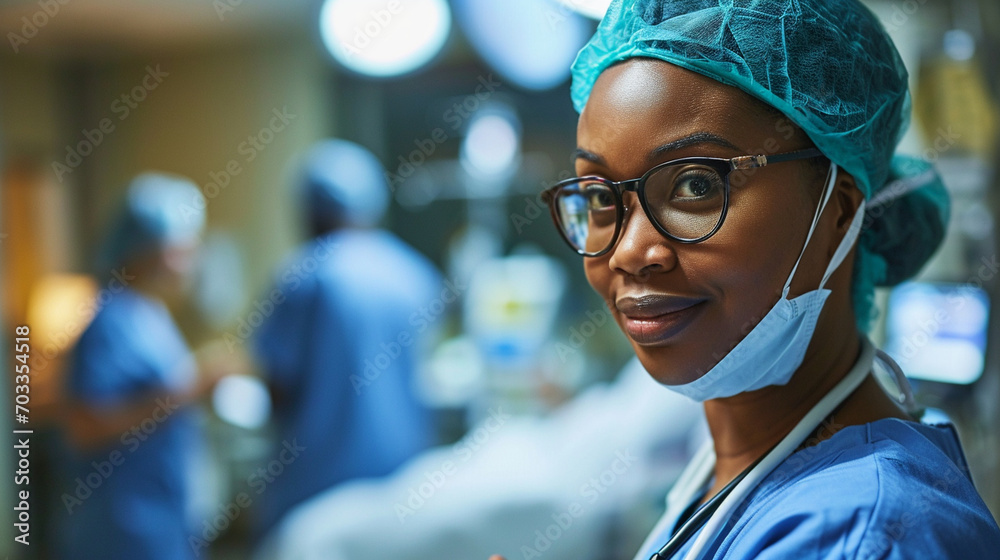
<point x="737" y="200"/>
<point x="133" y="431"/>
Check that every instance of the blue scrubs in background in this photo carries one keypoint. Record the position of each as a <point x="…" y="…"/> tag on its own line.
<point x="890" y="489"/>
<point x="340" y="350"/>
<point x="138" y="508"/>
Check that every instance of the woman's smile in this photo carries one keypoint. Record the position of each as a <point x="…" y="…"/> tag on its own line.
<point x="652" y="319"/>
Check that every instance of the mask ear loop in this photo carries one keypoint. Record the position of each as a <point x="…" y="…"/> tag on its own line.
<point x="906" y="398"/>
<point x="846" y="243"/>
<point x="827" y="191"/>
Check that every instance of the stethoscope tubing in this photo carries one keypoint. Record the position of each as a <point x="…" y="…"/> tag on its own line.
<point x="734" y="494"/>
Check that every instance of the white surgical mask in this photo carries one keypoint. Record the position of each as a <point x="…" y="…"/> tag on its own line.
<point x="775" y="348"/>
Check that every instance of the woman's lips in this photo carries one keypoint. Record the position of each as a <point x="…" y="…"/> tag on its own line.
<point x="652" y="319"/>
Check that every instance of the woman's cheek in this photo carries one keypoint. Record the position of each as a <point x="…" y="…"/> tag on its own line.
<point x="598" y="275"/>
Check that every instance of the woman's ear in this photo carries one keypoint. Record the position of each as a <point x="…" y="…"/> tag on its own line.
<point x="847" y="197"/>
<point x="843" y="204"/>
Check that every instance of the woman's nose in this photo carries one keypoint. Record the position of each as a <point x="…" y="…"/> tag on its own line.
<point x="641" y="249"/>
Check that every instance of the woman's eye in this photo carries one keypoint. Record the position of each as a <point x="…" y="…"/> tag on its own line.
<point x="699" y="183"/>
<point x="599" y="199"/>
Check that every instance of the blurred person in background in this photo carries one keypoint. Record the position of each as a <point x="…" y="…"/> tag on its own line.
<point x="342" y="345"/>
<point x="132" y="380"/>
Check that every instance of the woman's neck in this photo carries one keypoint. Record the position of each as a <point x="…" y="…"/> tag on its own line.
<point x="744" y="427"/>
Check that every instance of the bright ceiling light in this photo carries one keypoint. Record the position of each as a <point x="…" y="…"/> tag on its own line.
<point x="384" y="38"/>
<point x="530" y="43"/>
<point x="491" y="145"/>
<point x="594" y="9"/>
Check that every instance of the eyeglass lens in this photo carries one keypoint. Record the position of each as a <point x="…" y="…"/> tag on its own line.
<point x="686" y="200"/>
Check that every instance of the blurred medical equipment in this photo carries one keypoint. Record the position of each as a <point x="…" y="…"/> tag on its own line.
<point x="509" y="314"/>
<point x="242" y="401"/>
<point x="585" y="483"/>
<point x="937" y="331"/>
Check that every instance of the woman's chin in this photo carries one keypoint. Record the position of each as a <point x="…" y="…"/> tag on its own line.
<point x="667" y="369"/>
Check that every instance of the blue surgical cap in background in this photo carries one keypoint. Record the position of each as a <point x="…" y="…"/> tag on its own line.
<point x="344" y="183"/>
<point x="830" y="67"/>
<point x="160" y="211"/>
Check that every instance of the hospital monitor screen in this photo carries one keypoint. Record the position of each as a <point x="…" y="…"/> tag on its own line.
<point x="937" y="332"/>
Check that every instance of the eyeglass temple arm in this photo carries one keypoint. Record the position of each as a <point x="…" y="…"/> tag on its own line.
<point x="749" y="162"/>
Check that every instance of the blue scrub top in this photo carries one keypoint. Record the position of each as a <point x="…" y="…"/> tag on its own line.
<point x="340" y="347"/>
<point x="888" y="489"/>
<point x="138" y="508"/>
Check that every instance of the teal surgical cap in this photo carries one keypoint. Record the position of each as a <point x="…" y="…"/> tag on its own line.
<point x="160" y="211"/>
<point x="344" y="183"/>
<point x="830" y="67"/>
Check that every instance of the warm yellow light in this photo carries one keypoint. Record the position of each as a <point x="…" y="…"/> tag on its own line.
<point x="59" y="308"/>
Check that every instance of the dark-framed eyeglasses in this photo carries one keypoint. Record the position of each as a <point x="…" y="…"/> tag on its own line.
<point x="686" y="200"/>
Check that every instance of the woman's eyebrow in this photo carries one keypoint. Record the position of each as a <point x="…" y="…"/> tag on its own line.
<point x="656" y="154"/>
<point x="580" y="153"/>
<point x="691" y="140"/>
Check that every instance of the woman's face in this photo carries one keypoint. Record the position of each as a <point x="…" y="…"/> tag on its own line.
<point x="685" y="306"/>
